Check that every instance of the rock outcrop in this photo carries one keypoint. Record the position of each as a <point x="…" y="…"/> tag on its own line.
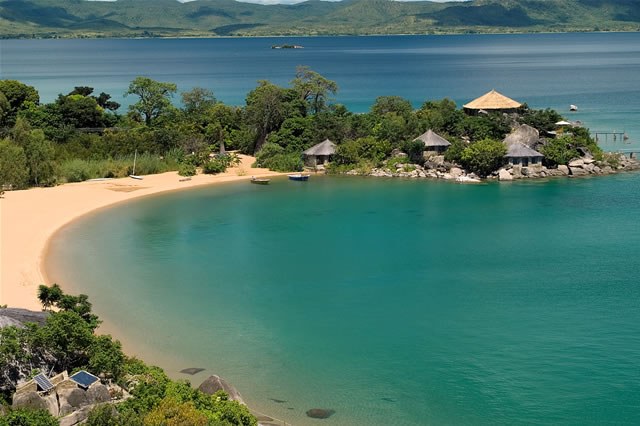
<point x="215" y="383"/>
<point x="17" y="317"/>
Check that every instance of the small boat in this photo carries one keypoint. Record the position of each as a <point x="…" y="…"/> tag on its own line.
<point x="260" y="181"/>
<point x="573" y="108"/>
<point x="299" y="176"/>
<point x="133" y="174"/>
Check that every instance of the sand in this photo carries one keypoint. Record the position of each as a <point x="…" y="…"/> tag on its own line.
<point x="29" y="218"/>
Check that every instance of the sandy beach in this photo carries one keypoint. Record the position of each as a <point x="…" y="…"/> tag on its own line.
<point x="29" y="218"/>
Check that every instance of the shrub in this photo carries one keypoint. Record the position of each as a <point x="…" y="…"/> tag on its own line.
<point x="75" y="170"/>
<point x="214" y="166"/>
<point x="484" y="157"/>
<point x="186" y="169"/>
<point x="284" y="163"/>
<point x="415" y="150"/>
<point x="27" y="417"/>
<point x="560" y="150"/>
<point x="454" y="153"/>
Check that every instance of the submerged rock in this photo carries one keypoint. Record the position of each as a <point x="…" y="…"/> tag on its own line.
<point x="192" y="370"/>
<point x="320" y="413"/>
<point x="215" y="383"/>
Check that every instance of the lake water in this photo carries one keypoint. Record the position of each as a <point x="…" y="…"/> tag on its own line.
<point x="389" y="301"/>
<point x="598" y="72"/>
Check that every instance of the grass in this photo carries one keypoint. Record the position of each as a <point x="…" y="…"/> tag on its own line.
<point x="78" y="170"/>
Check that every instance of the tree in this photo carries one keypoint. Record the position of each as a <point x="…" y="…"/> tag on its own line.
<point x="171" y="413"/>
<point x="266" y="110"/>
<point x="560" y="150"/>
<point x="313" y="88"/>
<point x="484" y="157"/>
<point x="80" y="111"/>
<point x="5" y="107"/>
<point x="197" y="100"/>
<point x="386" y="104"/>
<point x="49" y="296"/>
<point x="66" y="336"/>
<point x="105" y="356"/>
<point x="14" y="172"/>
<point x="154" y="97"/>
<point x="39" y="152"/>
<point x="81" y="90"/>
<point x="17" y="94"/>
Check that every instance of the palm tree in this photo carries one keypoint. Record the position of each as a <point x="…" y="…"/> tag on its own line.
<point x="44" y="295"/>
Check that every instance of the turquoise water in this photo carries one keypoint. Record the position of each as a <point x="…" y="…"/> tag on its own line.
<point x="597" y="71"/>
<point x="389" y="301"/>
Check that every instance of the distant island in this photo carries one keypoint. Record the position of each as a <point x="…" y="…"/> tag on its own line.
<point x="170" y="18"/>
<point x="287" y="46"/>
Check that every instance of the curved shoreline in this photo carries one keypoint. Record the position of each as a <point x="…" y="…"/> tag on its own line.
<point x="30" y="218"/>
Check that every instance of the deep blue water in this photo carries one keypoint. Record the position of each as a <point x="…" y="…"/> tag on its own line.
<point x="596" y="71"/>
<point x="393" y="302"/>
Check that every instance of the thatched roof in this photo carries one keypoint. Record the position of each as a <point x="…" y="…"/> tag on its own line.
<point x="519" y="150"/>
<point x="492" y="101"/>
<point x="430" y="138"/>
<point x="325" y="147"/>
<point x="525" y="135"/>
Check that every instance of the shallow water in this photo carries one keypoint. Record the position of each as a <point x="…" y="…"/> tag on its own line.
<point x="388" y="301"/>
<point x="596" y="71"/>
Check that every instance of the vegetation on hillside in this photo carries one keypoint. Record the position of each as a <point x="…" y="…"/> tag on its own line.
<point x="167" y="18"/>
<point x="67" y="341"/>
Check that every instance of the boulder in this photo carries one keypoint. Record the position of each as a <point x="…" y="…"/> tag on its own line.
<point x="98" y="393"/>
<point x="607" y="169"/>
<point x="525" y="135"/>
<point x="456" y="172"/>
<point x="588" y="160"/>
<point x="17" y="316"/>
<point x="77" y="417"/>
<point x="72" y="399"/>
<point x="396" y="153"/>
<point x="35" y="401"/>
<point x="215" y="383"/>
<point x="563" y="169"/>
<point x="577" y="163"/>
<point x="504" y="175"/>
<point x="588" y="167"/>
<point x="578" y="171"/>
<point x="320" y="413"/>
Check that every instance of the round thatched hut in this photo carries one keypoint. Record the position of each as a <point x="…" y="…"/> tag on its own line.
<point x="319" y="154"/>
<point x="492" y="101"/>
<point x="433" y="142"/>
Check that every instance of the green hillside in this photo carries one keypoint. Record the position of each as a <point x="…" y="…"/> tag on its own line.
<point x="167" y="18"/>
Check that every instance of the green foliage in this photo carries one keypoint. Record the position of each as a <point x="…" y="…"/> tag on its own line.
<point x="484" y="157"/>
<point x="40" y="152"/>
<point x="49" y="296"/>
<point x="213" y="167"/>
<point x="415" y="150"/>
<point x="391" y="104"/>
<point x="440" y="116"/>
<point x="274" y="157"/>
<point x="368" y="148"/>
<point x="106" y="356"/>
<point x="170" y="412"/>
<point x="454" y="153"/>
<point x="154" y="97"/>
<point x="543" y="120"/>
<point x="13" y="166"/>
<point x="560" y="150"/>
<point x="187" y="169"/>
<point x="28" y="417"/>
<point x="492" y="126"/>
<point x="17" y="94"/>
<point x="313" y="88"/>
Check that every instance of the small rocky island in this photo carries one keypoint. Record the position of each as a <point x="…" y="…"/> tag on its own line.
<point x="493" y="137"/>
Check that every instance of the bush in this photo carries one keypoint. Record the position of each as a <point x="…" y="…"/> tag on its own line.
<point x="454" y="153"/>
<point x="368" y="148"/>
<point x="26" y="417"/>
<point x="484" y="157"/>
<point x="560" y="150"/>
<point x="415" y="150"/>
<point x="284" y="163"/>
<point x="75" y="170"/>
<point x="214" y="166"/>
<point x="186" y="169"/>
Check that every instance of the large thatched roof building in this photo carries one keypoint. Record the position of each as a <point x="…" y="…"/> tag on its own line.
<point x="319" y="153"/>
<point x="492" y="101"/>
<point x="521" y="154"/>
<point x="433" y="141"/>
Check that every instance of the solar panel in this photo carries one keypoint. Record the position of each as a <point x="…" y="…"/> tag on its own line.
<point x="43" y="382"/>
<point x="84" y="379"/>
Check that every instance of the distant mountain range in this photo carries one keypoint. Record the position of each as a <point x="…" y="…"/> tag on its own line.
<point x="170" y="18"/>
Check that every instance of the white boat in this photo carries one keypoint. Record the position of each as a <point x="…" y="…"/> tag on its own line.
<point x="573" y="108"/>
<point x="133" y="174"/>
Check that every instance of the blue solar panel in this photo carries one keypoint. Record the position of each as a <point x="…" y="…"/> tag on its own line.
<point x="84" y="379"/>
<point x="43" y="382"/>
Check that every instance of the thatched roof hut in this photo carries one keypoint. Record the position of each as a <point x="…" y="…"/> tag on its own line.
<point x="433" y="141"/>
<point x="320" y="153"/>
<point x="521" y="154"/>
<point x="492" y="101"/>
<point x="325" y="147"/>
<point x="525" y="135"/>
